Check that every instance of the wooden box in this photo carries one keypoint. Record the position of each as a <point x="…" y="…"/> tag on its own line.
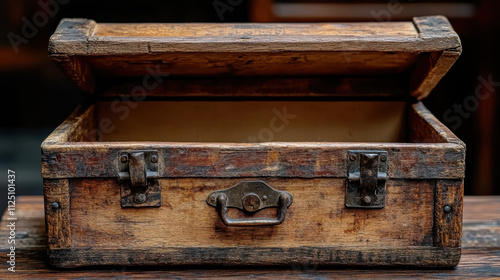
<point x="254" y="144"/>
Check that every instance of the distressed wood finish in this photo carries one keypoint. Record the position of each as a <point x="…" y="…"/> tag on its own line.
<point x="448" y="213"/>
<point x="297" y="63"/>
<point x="57" y="213"/>
<point x="480" y="254"/>
<point x="71" y="36"/>
<point x="314" y="219"/>
<point x="431" y="67"/>
<point x="344" y="236"/>
<point x="321" y="256"/>
<point x="201" y="147"/>
<point x="442" y="160"/>
<point x="387" y="49"/>
<point x="410" y="161"/>
<point x="350" y="88"/>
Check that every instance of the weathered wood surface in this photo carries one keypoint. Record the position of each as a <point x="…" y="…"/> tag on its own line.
<point x="480" y="254"/>
<point x="424" y="34"/>
<point x="318" y="228"/>
<point x="349" y="88"/>
<point x="62" y="158"/>
<point x="58" y="220"/>
<point x="431" y="67"/>
<point x="317" y="216"/>
<point x="90" y="51"/>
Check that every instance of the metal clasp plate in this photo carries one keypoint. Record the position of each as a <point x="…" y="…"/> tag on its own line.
<point x="367" y="175"/>
<point x="250" y="196"/>
<point x="138" y="177"/>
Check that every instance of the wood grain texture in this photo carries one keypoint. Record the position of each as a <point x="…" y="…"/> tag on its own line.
<point x="185" y="230"/>
<point x="242" y="37"/>
<point x="315" y="219"/>
<point x="480" y="254"/>
<point x="73" y="128"/>
<point x="66" y="159"/>
<point x="251" y="64"/>
<point x="411" y="161"/>
<point x="252" y="49"/>
<point x="430" y="68"/>
<point x="58" y="219"/>
<point x="71" y="36"/>
<point x="426" y="128"/>
<point x="404" y="29"/>
<point x="322" y="256"/>
<point x="481" y="222"/>
<point x="78" y="70"/>
<point x="350" y="88"/>
<point x="448" y="213"/>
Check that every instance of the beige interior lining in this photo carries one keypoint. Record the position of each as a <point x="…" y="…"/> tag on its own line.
<point x="251" y="122"/>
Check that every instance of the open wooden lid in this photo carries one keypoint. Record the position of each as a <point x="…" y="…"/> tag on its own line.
<point x="387" y="59"/>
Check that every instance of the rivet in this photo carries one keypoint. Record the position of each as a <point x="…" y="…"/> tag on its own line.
<point x="352" y="157"/>
<point x="251" y="202"/>
<point x="124" y="158"/>
<point x="154" y="159"/>
<point x="264" y="197"/>
<point x="367" y="199"/>
<point x="140" y="198"/>
<point x="447" y="209"/>
<point x="383" y="157"/>
<point x="54" y="205"/>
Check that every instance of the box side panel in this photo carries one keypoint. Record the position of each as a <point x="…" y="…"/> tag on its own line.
<point x="57" y="213"/>
<point x="448" y="213"/>
<point x="424" y="127"/>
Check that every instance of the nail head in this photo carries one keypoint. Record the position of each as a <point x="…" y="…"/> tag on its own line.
<point x="55" y="205"/>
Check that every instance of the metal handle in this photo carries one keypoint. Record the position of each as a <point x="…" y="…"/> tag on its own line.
<point x="283" y="202"/>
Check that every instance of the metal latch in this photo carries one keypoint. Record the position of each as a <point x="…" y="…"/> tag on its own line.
<point x="367" y="175"/>
<point x="138" y="176"/>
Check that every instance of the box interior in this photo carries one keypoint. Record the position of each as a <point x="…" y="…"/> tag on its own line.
<point x="249" y="122"/>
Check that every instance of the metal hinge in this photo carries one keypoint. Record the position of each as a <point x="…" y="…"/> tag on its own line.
<point x="138" y="176"/>
<point x="367" y="175"/>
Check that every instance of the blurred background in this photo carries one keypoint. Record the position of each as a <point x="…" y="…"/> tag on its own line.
<point x="36" y="97"/>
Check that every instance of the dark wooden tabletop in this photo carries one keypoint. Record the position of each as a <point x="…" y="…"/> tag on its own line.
<point x="480" y="254"/>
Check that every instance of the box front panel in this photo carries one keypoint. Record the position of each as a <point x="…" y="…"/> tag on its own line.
<point x="316" y="218"/>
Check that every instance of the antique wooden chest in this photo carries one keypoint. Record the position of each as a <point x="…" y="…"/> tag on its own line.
<point x="254" y="144"/>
